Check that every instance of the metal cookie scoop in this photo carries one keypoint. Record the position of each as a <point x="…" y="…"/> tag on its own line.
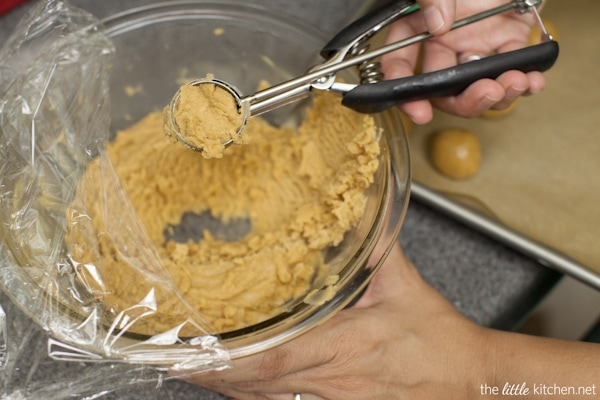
<point x="228" y="116"/>
<point x="348" y="48"/>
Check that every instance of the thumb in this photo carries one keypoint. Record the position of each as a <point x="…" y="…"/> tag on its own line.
<point x="439" y="15"/>
<point x="396" y="272"/>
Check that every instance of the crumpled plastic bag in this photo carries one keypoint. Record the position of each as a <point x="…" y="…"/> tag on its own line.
<point x="54" y="121"/>
<point x="28" y="373"/>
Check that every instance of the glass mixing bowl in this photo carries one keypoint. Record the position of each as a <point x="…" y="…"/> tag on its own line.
<point x="162" y="46"/>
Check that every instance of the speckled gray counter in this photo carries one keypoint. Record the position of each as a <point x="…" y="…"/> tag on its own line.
<point x="488" y="282"/>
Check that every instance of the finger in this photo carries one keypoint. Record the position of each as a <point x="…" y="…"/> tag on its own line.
<point x="437" y="56"/>
<point x="339" y="379"/>
<point x="282" y="388"/>
<point x="537" y="82"/>
<point x="515" y="84"/>
<point x="395" y="271"/>
<point x="306" y="351"/>
<point x="313" y="380"/>
<point x="438" y="14"/>
<point x="512" y="45"/>
<point x="497" y="94"/>
<point x="474" y="100"/>
<point x="239" y="394"/>
<point x="402" y="63"/>
<point x="419" y="111"/>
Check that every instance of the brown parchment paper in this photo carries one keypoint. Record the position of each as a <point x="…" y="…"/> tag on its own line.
<point x="540" y="173"/>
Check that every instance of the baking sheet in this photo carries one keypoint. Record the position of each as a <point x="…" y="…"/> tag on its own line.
<point x="539" y="175"/>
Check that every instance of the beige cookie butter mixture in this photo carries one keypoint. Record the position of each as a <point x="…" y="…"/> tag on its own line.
<point x="207" y="117"/>
<point x="300" y="189"/>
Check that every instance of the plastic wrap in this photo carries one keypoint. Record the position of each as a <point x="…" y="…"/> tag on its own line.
<point x="54" y="122"/>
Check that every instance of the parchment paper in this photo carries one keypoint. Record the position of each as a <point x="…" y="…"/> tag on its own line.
<point x="540" y="173"/>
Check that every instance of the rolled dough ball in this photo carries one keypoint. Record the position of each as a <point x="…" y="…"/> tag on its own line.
<point x="456" y="153"/>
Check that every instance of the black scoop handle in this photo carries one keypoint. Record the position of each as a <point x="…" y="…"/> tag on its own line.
<point x="376" y="97"/>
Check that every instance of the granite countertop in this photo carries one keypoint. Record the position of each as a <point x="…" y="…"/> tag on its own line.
<point x="487" y="281"/>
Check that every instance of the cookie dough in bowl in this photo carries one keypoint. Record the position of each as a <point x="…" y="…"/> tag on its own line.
<point x="301" y="191"/>
<point x="272" y="238"/>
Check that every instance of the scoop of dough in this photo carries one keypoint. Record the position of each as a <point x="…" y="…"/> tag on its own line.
<point x="456" y="153"/>
<point x="207" y="117"/>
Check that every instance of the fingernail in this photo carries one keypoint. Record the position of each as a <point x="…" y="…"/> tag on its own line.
<point x="487" y="102"/>
<point x="513" y="92"/>
<point x="433" y="19"/>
